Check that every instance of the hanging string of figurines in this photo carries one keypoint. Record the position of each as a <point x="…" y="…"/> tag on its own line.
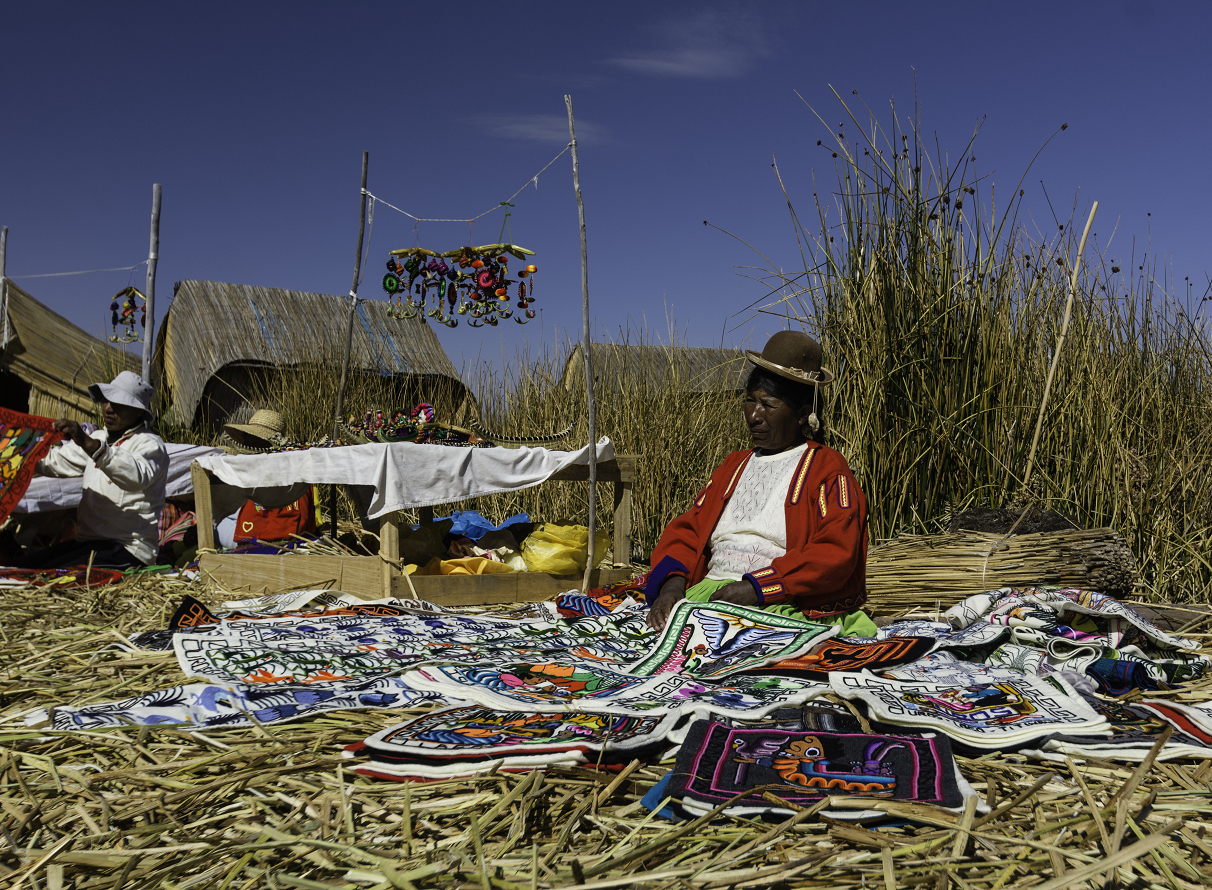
<point x="122" y="309"/>
<point x="476" y="283"/>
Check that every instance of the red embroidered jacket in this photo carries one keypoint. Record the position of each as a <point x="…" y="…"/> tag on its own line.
<point x="825" y="567"/>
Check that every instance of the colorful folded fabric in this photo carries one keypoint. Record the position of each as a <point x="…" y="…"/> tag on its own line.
<point x="1117" y="677"/>
<point x="715" y="640"/>
<point x="1075" y="628"/>
<point x="1135" y="729"/>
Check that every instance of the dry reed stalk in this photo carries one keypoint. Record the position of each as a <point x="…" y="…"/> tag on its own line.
<point x="165" y="807"/>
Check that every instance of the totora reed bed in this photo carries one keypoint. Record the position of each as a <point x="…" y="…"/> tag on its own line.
<point x="273" y="806"/>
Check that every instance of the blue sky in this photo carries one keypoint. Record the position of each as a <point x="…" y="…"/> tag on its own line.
<point x="254" y="117"/>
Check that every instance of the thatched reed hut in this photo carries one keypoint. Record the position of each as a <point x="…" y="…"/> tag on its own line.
<point x="48" y="362"/>
<point x="221" y="347"/>
<point x="690" y="369"/>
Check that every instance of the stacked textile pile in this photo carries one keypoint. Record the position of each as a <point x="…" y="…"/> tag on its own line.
<point x="763" y="713"/>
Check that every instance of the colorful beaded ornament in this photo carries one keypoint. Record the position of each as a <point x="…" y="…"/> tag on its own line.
<point x="475" y="283"/>
<point x="122" y="314"/>
<point x="420" y="426"/>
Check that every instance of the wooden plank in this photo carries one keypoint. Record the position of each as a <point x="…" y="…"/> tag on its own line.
<point x="359" y="575"/>
<point x="389" y="548"/>
<point x="203" y="506"/>
<point x="362" y="576"/>
<point x="621" y="469"/>
<point x="512" y="587"/>
<point x="622" y="524"/>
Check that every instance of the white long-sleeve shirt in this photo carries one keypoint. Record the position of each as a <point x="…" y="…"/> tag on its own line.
<point x="123" y="486"/>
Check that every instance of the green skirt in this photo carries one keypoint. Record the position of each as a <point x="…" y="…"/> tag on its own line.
<point x="853" y="624"/>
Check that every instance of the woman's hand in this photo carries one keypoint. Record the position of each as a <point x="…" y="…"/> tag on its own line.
<point x="740" y="593"/>
<point x="673" y="591"/>
<point x="75" y="432"/>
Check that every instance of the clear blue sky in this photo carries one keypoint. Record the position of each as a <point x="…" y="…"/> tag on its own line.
<point x="254" y="117"/>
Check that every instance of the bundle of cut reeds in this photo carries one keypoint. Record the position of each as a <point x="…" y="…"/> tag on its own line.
<point x="918" y="569"/>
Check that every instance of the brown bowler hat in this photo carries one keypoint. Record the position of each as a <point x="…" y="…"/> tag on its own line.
<point x="794" y="355"/>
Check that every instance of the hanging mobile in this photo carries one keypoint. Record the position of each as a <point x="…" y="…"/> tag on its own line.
<point x="123" y="314"/>
<point x="472" y="281"/>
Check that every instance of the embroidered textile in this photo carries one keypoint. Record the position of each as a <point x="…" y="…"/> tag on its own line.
<point x="717" y="762"/>
<point x="844" y="655"/>
<point x="1076" y="629"/>
<point x="713" y="640"/>
<point x="990" y="715"/>
<point x="207" y="706"/>
<point x="24" y="440"/>
<point x="469" y="739"/>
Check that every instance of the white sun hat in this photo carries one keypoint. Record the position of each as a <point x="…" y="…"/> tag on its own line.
<point x="128" y="388"/>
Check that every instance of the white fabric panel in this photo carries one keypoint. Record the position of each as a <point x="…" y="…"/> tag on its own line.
<point x="403" y="475"/>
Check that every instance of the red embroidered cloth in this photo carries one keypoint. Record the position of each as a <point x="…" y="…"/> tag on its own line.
<point x="24" y="440"/>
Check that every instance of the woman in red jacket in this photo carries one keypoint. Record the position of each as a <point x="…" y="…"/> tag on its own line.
<point x="782" y="525"/>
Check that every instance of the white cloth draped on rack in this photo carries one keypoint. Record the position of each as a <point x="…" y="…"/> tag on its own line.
<point x="403" y="475"/>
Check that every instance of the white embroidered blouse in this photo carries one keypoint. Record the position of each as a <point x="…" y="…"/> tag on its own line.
<point x="752" y="531"/>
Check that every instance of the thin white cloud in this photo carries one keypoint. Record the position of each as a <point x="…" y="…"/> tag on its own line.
<point x="552" y="128"/>
<point x="718" y="42"/>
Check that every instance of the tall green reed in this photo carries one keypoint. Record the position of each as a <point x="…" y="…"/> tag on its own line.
<point x="940" y="312"/>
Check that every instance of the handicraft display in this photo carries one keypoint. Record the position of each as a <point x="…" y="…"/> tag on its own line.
<point x="419" y="426"/>
<point x="122" y="310"/>
<point x="471" y="281"/>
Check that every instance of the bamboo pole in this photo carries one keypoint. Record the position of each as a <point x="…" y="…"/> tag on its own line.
<point x="153" y="255"/>
<point x="353" y="310"/>
<point x="1060" y="342"/>
<point x="590" y="556"/>
<point x="4" y="286"/>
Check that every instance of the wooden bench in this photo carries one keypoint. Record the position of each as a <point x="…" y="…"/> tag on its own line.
<point x="372" y="577"/>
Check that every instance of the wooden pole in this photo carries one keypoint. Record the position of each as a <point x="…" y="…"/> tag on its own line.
<point x="591" y="557"/>
<point x="1060" y="343"/>
<point x="353" y="310"/>
<point x="4" y="285"/>
<point x="153" y="254"/>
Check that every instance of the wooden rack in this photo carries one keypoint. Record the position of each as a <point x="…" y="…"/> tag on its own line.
<point x="371" y="577"/>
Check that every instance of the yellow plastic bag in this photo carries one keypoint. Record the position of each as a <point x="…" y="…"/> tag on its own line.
<point x="561" y="549"/>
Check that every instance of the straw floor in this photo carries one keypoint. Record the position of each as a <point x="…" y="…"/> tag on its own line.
<point x="273" y="806"/>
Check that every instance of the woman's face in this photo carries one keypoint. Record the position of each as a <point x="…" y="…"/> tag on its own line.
<point x="773" y="425"/>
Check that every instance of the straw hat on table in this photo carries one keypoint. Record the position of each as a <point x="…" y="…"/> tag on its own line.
<point x="260" y="432"/>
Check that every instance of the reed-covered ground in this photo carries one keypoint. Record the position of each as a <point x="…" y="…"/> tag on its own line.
<point x="277" y="806"/>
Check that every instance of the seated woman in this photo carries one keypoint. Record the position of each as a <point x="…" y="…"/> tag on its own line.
<point x="781" y="526"/>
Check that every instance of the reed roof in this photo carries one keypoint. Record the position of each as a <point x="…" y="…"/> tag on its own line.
<point x="696" y="369"/>
<point x="58" y="359"/>
<point x="212" y="324"/>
